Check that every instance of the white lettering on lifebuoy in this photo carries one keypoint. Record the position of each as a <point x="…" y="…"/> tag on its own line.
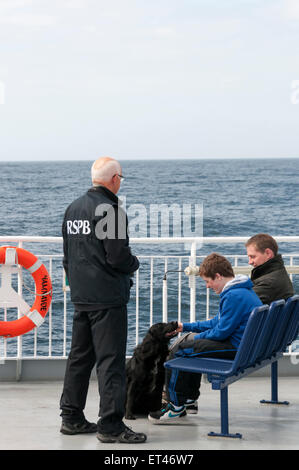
<point x="44" y="299"/>
<point x="77" y="227"/>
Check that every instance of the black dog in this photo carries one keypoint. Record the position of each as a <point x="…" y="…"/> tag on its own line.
<point x="145" y="371"/>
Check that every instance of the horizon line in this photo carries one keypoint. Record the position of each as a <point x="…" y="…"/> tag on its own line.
<point x="151" y="159"/>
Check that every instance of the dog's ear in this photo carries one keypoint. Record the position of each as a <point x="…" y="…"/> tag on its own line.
<point x="156" y="330"/>
<point x="147" y="348"/>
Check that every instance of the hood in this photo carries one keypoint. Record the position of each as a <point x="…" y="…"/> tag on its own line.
<point x="240" y="280"/>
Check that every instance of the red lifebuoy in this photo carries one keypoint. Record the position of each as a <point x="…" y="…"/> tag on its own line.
<point x="34" y="317"/>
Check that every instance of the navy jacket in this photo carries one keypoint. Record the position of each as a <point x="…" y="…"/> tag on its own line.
<point x="97" y="257"/>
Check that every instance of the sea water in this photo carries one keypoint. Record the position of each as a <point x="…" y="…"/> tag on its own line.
<point x="238" y="197"/>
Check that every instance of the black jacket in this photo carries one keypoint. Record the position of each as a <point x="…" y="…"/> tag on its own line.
<point x="97" y="257"/>
<point x="271" y="281"/>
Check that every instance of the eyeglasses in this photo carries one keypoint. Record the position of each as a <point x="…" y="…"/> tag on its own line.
<point x="120" y="176"/>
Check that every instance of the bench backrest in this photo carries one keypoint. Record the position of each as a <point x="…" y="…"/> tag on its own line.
<point x="252" y="333"/>
<point x="276" y="311"/>
<point x="291" y="322"/>
<point x="264" y="343"/>
<point x="269" y="330"/>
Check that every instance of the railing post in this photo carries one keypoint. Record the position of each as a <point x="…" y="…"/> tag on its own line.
<point x="152" y="291"/>
<point x="19" y="338"/>
<point x="137" y="307"/>
<point x="164" y="296"/>
<point x="192" y="282"/>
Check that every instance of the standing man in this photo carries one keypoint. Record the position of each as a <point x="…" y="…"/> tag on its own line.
<point x="269" y="275"/>
<point x="99" y="264"/>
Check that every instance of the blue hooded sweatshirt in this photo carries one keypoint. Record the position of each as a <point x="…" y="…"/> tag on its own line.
<point x="237" y="300"/>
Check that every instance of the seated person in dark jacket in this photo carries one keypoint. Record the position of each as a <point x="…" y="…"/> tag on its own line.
<point x="269" y="275"/>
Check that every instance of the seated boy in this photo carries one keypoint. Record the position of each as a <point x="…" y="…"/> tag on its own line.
<point x="218" y="337"/>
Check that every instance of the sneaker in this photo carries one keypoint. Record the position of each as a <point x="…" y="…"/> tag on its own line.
<point x="168" y="414"/>
<point x="191" y="407"/>
<point x="84" y="427"/>
<point x="125" y="437"/>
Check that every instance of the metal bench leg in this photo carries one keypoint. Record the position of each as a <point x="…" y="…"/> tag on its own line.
<point x="224" y="417"/>
<point x="274" y="387"/>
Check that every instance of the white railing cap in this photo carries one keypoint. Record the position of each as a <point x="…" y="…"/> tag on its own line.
<point x="201" y="240"/>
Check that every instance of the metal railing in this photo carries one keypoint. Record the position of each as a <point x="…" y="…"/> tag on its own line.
<point x="188" y="299"/>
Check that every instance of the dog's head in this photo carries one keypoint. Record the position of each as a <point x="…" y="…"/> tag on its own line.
<point x="163" y="331"/>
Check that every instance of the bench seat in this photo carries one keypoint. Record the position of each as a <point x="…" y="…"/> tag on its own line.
<point x="269" y="331"/>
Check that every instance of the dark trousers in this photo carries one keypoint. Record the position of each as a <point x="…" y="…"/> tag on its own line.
<point x="181" y="385"/>
<point x="98" y="338"/>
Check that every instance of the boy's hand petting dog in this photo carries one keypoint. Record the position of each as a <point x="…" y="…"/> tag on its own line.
<point x="174" y="325"/>
<point x="177" y="331"/>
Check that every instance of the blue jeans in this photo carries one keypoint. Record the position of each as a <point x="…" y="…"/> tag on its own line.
<point x="181" y="385"/>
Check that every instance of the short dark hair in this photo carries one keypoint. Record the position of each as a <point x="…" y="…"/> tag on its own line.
<point x="263" y="241"/>
<point x="215" y="263"/>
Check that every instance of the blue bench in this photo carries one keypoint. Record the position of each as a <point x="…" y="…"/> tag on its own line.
<point x="269" y="331"/>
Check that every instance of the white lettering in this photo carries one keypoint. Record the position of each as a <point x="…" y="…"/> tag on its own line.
<point x="86" y="227"/>
<point x="77" y="227"/>
<point x="69" y="227"/>
<point x="115" y="460"/>
<point x="80" y="225"/>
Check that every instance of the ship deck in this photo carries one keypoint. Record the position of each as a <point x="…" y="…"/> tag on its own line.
<point x="30" y="420"/>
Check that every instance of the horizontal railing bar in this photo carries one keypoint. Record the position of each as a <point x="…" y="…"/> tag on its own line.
<point x="228" y="255"/>
<point x="29" y="239"/>
<point x="200" y="240"/>
<point x="39" y="357"/>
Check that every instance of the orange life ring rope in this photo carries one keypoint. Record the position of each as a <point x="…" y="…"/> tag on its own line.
<point x="34" y="316"/>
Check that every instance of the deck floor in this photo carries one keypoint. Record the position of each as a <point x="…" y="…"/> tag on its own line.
<point x="30" y="419"/>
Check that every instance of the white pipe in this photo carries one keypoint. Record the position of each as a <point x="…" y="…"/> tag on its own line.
<point x="164" y="295"/>
<point x="192" y="283"/>
<point x="147" y="240"/>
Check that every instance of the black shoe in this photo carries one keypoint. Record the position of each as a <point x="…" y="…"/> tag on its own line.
<point x="84" y="427"/>
<point x="191" y="407"/>
<point x="125" y="437"/>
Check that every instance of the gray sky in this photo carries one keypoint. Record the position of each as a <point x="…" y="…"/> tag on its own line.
<point x="141" y="79"/>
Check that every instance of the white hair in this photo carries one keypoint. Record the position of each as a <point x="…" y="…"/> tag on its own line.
<point x="105" y="172"/>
